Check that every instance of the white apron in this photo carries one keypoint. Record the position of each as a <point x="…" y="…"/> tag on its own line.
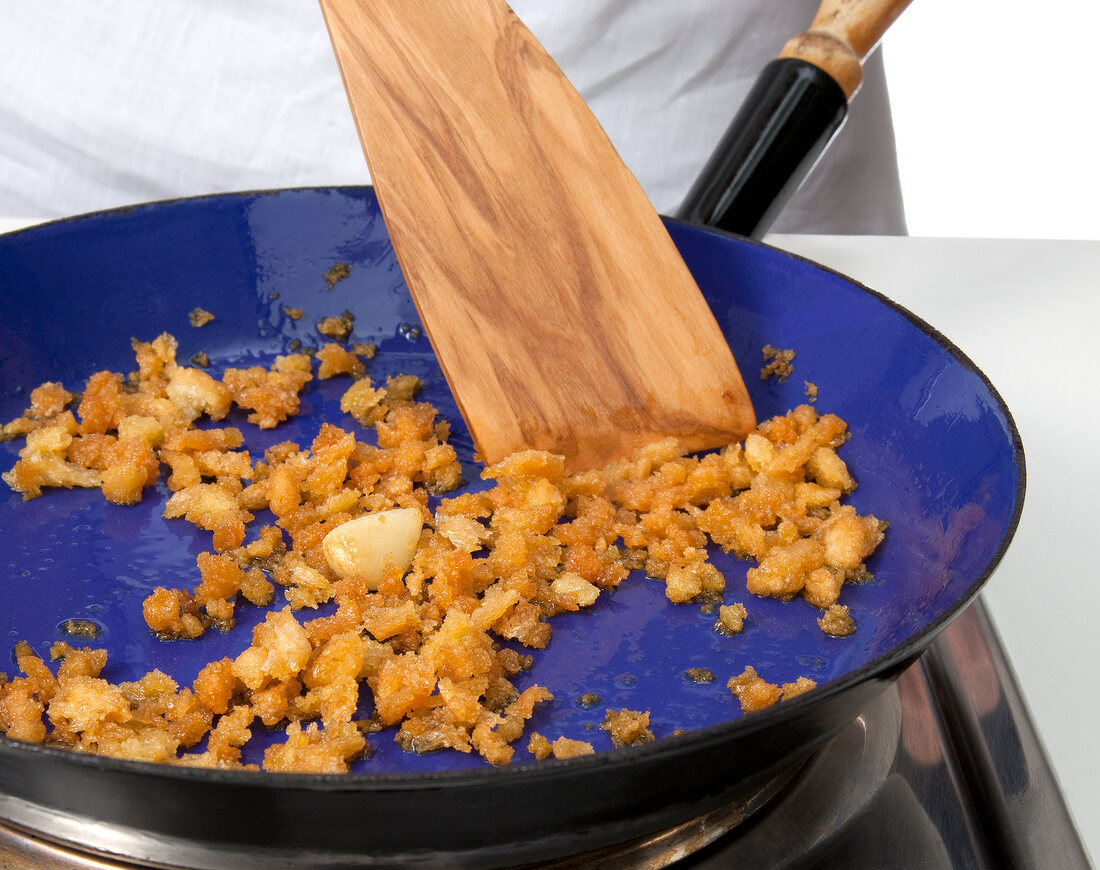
<point x="122" y="101"/>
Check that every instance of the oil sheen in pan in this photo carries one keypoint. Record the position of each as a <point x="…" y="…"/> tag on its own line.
<point x="933" y="448"/>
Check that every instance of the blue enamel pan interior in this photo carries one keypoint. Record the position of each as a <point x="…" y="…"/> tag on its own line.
<point x="933" y="448"/>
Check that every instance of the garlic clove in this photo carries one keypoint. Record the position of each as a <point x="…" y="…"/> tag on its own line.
<point x="575" y="587"/>
<point x="365" y="545"/>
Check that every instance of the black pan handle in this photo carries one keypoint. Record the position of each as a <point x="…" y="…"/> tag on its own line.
<point x="797" y="105"/>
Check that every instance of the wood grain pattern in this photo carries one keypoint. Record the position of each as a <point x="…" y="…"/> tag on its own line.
<point x="841" y="36"/>
<point x="561" y="312"/>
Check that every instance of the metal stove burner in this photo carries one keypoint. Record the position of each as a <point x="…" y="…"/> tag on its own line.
<point x="23" y="851"/>
<point x="965" y="784"/>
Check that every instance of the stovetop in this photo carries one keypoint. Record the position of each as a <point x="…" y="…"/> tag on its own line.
<point x="943" y="769"/>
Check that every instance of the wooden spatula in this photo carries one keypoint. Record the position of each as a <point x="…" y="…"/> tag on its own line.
<point x="561" y="313"/>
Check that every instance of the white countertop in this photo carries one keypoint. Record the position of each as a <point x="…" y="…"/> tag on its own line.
<point x="1025" y="311"/>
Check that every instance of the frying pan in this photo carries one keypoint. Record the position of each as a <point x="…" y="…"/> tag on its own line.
<point x="933" y="447"/>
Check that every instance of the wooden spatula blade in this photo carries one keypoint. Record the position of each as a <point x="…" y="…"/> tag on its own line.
<point x="558" y="306"/>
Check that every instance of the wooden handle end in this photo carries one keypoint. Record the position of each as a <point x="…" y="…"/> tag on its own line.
<point x="831" y="54"/>
<point x="842" y="34"/>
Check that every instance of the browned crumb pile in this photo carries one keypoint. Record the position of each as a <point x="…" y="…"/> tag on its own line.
<point x="425" y="640"/>
<point x="755" y="693"/>
<point x="563" y="747"/>
<point x="365" y="349"/>
<point x="199" y="317"/>
<point x="338" y="328"/>
<point x="731" y="619"/>
<point x="627" y="727"/>
<point x="778" y="363"/>
<point x="837" y="621"/>
<point x="337" y="273"/>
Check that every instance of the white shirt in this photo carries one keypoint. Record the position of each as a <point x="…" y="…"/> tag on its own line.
<point x="123" y="101"/>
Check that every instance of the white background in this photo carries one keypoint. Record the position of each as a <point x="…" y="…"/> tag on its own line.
<point x="995" y="112"/>
<point x="995" y="107"/>
<point x="1043" y="597"/>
